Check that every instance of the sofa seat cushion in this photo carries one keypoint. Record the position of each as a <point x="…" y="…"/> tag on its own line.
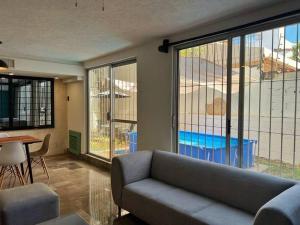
<point x="159" y="203"/>
<point x="175" y="198"/>
<point x="221" y="214"/>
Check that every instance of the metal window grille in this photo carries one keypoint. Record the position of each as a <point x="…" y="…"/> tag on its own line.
<point x="26" y="102"/>
<point x="238" y="101"/>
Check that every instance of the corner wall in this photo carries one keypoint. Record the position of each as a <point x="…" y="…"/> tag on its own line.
<point x="154" y="93"/>
<point x="76" y="110"/>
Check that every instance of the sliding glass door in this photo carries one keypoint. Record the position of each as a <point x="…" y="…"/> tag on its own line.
<point x="271" y="109"/>
<point x="238" y="100"/>
<point x="112" y="110"/>
<point x="124" y="119"/>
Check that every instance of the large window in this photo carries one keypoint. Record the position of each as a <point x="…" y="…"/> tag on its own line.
<point x="26" y="102"/>
<point x="113" y="109"/>
<point x="238" y="100"/>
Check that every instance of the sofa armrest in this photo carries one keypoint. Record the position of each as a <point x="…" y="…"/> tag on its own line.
<point x="284" y="209"/>
<point x="127" y="169"/>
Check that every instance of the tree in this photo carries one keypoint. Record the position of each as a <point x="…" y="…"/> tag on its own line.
<point x="296" y="52"/>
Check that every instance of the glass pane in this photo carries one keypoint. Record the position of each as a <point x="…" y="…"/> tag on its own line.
<point x="125" y="109"/>
<point x="99" y="107"/>
<point x="125" y="138"/>
<point x="271" y="99"/>
<point x="32" y="102"/>
<point x="202" y="101"/>
<point x="125" y="92"/>
<point x="26" y="102"/>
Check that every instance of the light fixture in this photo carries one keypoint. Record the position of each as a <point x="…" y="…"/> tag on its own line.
<point x="56" y="78"/>
<point x="11" y="73"/>
<point x="3" y="65"/>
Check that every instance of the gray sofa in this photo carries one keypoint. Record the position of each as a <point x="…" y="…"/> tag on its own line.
<point x="163" y="188"/>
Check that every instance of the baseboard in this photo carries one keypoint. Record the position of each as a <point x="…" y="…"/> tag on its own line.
<point x="93" y="160"/>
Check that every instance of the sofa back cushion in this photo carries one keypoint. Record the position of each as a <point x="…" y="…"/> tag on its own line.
<point x="239" y="188"/>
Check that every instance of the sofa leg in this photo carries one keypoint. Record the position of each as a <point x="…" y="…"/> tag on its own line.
<point x="119" y="211"/>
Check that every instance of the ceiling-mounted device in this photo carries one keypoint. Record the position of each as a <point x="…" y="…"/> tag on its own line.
<point x="164" y="47"/>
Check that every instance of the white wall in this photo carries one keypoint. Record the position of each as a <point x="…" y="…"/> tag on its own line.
<point x="155" y="77"/>
<point x="41" y="67"/>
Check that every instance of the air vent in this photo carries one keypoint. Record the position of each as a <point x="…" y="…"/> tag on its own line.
<point x="74" y="142"/>
<point x="10" y="63"/>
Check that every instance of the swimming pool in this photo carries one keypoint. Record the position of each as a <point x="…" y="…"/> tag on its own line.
<point x="209" y="147"/>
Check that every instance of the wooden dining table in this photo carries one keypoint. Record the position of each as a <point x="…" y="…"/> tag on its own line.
<point x="26" y="140"/>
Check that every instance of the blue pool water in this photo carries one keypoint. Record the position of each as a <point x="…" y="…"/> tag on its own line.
<point x="209" y="147"/>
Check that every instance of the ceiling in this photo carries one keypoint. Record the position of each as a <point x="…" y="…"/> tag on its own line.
<point x="57" y="30"/>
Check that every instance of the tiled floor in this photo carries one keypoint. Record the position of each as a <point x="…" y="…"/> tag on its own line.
<point x="83" y="189"/>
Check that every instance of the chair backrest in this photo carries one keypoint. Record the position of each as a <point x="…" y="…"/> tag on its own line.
<point x="45" y="147"/>
<point x="12" y="154"/>
<point x="243" y="189"/>
<point x="3" y="135"/>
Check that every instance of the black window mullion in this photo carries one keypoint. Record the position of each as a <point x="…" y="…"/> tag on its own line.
<point x="52" y="104"/>
<point x="241" y="102"/>
<point x="11" y="103"/>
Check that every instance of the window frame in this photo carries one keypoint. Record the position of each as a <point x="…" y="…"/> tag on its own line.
<point x="12" y="100"/>
<point x="242" y="32"/>
<point x="110" y="65"/>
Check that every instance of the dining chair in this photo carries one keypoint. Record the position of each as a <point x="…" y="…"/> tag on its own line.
<point x="11" y="156"/>
<point x="3" y="135"/>
<point x="37" y="157"/>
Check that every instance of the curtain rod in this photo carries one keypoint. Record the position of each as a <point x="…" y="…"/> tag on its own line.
<point x="164" y="48"/>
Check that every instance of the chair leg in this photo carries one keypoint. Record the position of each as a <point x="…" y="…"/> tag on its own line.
<point x="45" y="166"/>
<point x="11" y="175"/>
<point x="26" y="176"/>
<point x="20" y="176"/>
<point x="15" y="175"/>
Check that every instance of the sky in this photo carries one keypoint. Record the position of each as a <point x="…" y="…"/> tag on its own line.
<point x="291" y="33"/>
